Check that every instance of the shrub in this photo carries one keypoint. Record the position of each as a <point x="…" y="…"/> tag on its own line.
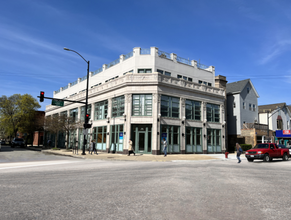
<point x="55" y="148"/>
<point x="246" y="147"/>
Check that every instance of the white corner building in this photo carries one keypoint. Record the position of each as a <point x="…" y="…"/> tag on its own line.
<point x="145" y="96"/>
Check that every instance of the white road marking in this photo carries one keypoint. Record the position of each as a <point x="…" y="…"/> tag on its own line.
<point x="32" y="164"/>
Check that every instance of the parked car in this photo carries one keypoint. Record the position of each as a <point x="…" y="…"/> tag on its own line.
<point x="289" y="147"/>
<point x="266" y="152"/>
<point x="2" y="142"/>
<point x="281" y="146"/>
<point x="18" y="142"/>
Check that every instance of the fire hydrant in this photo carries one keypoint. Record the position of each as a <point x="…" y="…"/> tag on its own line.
<point x="226" y="154"/>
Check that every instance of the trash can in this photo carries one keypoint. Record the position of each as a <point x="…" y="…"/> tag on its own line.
<point x="226" y="154"/>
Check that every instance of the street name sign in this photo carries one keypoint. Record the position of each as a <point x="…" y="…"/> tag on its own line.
<point x="58" y="102"/>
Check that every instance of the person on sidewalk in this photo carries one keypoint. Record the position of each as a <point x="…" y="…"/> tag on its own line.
<point x="93" y="147"/>
<point x="238" y="152"/>
<point x="130" y="148"/>
<point x="165" y="144"/>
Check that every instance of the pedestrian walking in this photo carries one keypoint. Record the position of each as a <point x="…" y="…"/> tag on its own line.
<point x="238" y="152"/>
<point x="165" y="144"/>
<point x="130" y="148"/>
<point x="94" y="149"/>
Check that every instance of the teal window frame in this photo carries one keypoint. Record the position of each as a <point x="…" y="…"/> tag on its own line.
<point x="170" y="106"/>
<point x="100" y="110"/>
<point x="214" y="140"/>
<point x="193" y="110"/>
<point x="144" y="70"/>
<point x="142" y="104"/>
<point x="173" y="138"/>
<point x="118" y="104"/>
<point x="213" y="113"/>
<point x="74" y="113"/>
<point x="115" y="141"/>
<point x="100" y="137"/>
<point x="193" y="140"/>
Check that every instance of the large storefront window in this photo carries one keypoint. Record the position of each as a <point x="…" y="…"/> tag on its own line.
<point x="213" y="114"/>
<point x="116" y="140"/>
<point x="101" y="110"/>
<point x="81" y="139"/>
<point x="172" y="136"/>
<point x="117" y="106"/>
<point x="193" y="140"/>
<point x="99" y="135"/>
<point x="74" y="114"/>
<point x="73" y="138"/>
<point x="82" y="117"/>
<point x="213" y="140"/>
<point x="193" y="110"/>
<point x="170" y="106"/>
<point x="142" y="105"/>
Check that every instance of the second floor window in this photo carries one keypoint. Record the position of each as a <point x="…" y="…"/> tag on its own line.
<point x="250" y="107"/>
<point x="74" y="114"/>
<point x="213" y="114"/>
<point x="254" y="108"/>
<point x="142" y="104"/>
<point x="101" y="110"/>
<point x="118" y="106"/>
<point x="193" y="110"/>
<point x="170" y="106"/>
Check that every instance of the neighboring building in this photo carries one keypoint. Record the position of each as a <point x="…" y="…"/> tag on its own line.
<point x="147" y="95"/>
<point x="242" y="108"/>
<point x="277" y="117"/>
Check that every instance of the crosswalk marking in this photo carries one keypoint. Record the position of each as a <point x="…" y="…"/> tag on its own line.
<point x="32" y="164"/>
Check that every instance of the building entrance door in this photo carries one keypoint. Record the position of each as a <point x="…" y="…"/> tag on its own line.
<point x="142" y="138"/>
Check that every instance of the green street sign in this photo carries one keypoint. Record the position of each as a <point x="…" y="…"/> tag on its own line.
<point x="58" y="102"/>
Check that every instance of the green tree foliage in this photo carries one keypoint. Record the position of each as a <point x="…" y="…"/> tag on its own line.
<point x="17" y="113"/>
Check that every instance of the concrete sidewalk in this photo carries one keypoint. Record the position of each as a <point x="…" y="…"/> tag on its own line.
<point x="143" y="157"/>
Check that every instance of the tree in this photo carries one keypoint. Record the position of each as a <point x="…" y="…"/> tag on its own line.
<point x="56" y="123"/>
<point x="17" y="113"/>
<point x="69" y="124"/>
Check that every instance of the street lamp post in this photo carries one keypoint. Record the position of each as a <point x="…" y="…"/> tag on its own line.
<point x="86" y="106"/>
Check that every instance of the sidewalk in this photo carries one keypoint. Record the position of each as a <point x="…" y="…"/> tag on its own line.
<point x="143" y="157"/>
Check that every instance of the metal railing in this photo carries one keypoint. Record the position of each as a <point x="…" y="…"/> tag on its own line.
<point x="83" y="78"/>
<point x="113" y="63"/>
<point x="74" y="83"/>
<point x="65" y="87"/>
<point x="202" y="66"/>
<point x="145" y="51"/>
<point x="97" y="71"/>
<point x="126" y="56"/>
<point x="57" y="91"/>
<point x="163" y="54"/>
<point x="183" y="60"/>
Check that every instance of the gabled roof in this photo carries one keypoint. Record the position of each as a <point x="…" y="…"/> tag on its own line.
<point x="237" y="87"/>
<point x="271" y="107"/>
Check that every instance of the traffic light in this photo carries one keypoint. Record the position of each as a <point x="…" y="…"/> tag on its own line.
<point x="41" y="97"/>
<point x="87" y="118"/>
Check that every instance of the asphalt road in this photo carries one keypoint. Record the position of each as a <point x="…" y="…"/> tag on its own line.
<point x="72" y="188"/>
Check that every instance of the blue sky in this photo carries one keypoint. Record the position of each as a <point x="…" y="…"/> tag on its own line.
<point x="242" y="39"/>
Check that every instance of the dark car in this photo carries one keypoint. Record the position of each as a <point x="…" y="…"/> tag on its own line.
<point x="281" y="146"/>
<point x="18" y="142"/>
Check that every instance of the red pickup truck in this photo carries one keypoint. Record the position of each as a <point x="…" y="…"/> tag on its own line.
<point x="266" y="152"/>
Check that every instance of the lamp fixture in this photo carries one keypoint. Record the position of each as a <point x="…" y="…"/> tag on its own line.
<point x="108" y="119"/>
<point x="205" y="120"/>
<point x="124" y="115"/>
<point x="159" y="115"/>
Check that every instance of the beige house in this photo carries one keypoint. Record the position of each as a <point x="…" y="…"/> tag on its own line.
<point x="147" y="95"/>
